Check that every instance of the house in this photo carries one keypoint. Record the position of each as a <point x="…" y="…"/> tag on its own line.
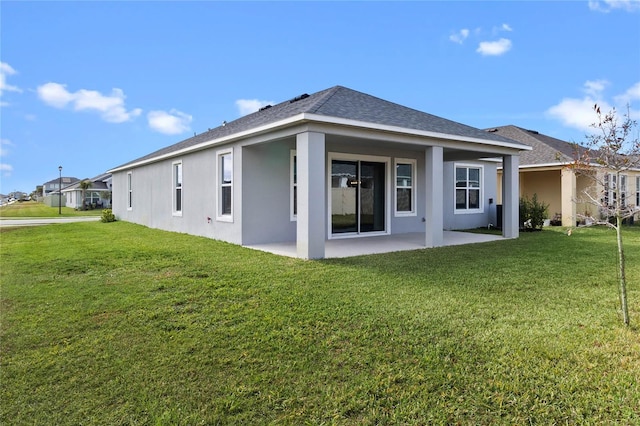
<point x="54" y="184"/>
<point x="544" y="171"/>
<point x="98" y="195"/>
<point x="337" y="164"/>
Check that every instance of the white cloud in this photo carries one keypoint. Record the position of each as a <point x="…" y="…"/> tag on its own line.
<point x="606" y="6"/>
<point x="6" y="169"/>
<point x="111" y="107"/>
<point x="494" y="48"/>
<point x="595" y="88"/>
<point x="169" y="123"/>
<point x="501" y="28"/>
<point x="247" y="106"/>
<point x="460" y="36"/>
<point x="3" y="143"/>
<point x="578" y="112"/>
<point x="7" y="70"/>
<point x="54" y="94"/>
<point x="632" y="94"/>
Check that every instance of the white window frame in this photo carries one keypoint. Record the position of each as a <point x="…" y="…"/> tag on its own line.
<point x="637" y="192"/>
<point x="293" y="186"/>
<point x="467" y="210"/>
<point x="177" y="183"/>
<point x="220" y="216"/>
<point x="610" y="186"/>
<point x="129" y="191"/>
<point x="413" y="164"/>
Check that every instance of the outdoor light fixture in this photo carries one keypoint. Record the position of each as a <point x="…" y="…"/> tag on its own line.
<point x="60" y="191"/>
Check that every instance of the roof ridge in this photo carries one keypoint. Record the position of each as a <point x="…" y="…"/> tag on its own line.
<point x="325" y="98"/>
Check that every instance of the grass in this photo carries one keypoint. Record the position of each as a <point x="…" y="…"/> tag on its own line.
<point x="120" y="324"/>
<point x="30" y="209"/>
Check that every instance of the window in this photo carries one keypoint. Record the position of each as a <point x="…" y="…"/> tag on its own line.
<point x="638" y="192"/>
<point x="468" y="189"/>
<point x="225" y="185"/>
<point x="92" y="197"/>
<point x="610" y="190"/>
<point x="294" y="186"/>
<point x="405" y="191"/>
<point x="129" y="192"/>
<point x="177" y="189"/>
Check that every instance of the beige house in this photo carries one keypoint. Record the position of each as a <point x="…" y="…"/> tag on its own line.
<point x="544" y="171"/>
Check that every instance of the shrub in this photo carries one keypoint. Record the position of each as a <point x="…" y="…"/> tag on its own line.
<point x="532" y="213"/>
<point x="107" y="216"/>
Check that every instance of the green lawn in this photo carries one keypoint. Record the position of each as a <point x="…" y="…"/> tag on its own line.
<point x="29" y="209"/>
<point x="120" y="324"/>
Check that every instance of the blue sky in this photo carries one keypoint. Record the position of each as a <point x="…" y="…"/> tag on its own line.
<point x="92" y="85"/>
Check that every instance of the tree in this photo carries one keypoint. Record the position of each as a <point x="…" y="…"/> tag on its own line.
<point x="84" y="185"/>
<point x="612" y="152"/>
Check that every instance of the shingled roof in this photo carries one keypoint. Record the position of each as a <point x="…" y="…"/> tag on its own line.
<point x="98" y="183"/>
<point x="337" y="102"/>
<point x="546" y="149"/>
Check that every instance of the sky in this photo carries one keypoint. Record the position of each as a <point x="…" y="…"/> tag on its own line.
<point x="92" y="85"/>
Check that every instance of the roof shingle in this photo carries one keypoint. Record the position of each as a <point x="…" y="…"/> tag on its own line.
<point x="546" y="149"/>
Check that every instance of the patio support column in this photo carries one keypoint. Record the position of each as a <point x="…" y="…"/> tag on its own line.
<point x="568" y="196"/>
<point x="312" y="210"/>
<point x="510" y="196"/>
<point x="434" y="216"/>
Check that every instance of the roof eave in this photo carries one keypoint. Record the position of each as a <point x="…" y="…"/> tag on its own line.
<point x="414" y="132"/>
<point x="310" y="117"/>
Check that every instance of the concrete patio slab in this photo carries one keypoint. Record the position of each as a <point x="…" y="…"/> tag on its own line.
<point x="347" y="247"/>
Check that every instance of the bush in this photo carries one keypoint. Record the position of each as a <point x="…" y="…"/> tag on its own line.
<point x="532" y="213"/>
<point x="107" y="216"/>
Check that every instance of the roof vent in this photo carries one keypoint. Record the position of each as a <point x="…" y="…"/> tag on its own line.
<point x="299" y="98"/>
<point x="265" y="107"/>
<point x="492" y="130"/>
<point x="535" y="132"/>
<point x="224" y="123"/>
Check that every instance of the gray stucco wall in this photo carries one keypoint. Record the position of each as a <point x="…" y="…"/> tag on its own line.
<point x="152" y="186"/>
<point x="266" y="193"/>
<point x="453" y="220"/>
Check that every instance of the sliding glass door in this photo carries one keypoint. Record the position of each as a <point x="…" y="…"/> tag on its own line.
<point x="358" y="196"/>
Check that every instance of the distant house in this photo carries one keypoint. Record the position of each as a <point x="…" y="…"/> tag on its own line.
<point x="54" y="184"/>
<point x="97" y="196"/>
<point x="337" y="164"/>
<point x="544" y="171"/>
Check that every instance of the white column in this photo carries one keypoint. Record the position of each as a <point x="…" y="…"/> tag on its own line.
<point x="312" y="208"/>
<point x="568" y="196"/>
<point x="510" y="196"/>
<point x="434" y="217"/>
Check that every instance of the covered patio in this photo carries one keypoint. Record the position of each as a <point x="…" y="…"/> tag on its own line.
<point x="347" y="247"/>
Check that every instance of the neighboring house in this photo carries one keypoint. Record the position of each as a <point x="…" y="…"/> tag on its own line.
<point x="544" y="171"/>
<point x="97" y="196"/>
<point x="335" y="164"/>
<point x="54" y="184"/>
